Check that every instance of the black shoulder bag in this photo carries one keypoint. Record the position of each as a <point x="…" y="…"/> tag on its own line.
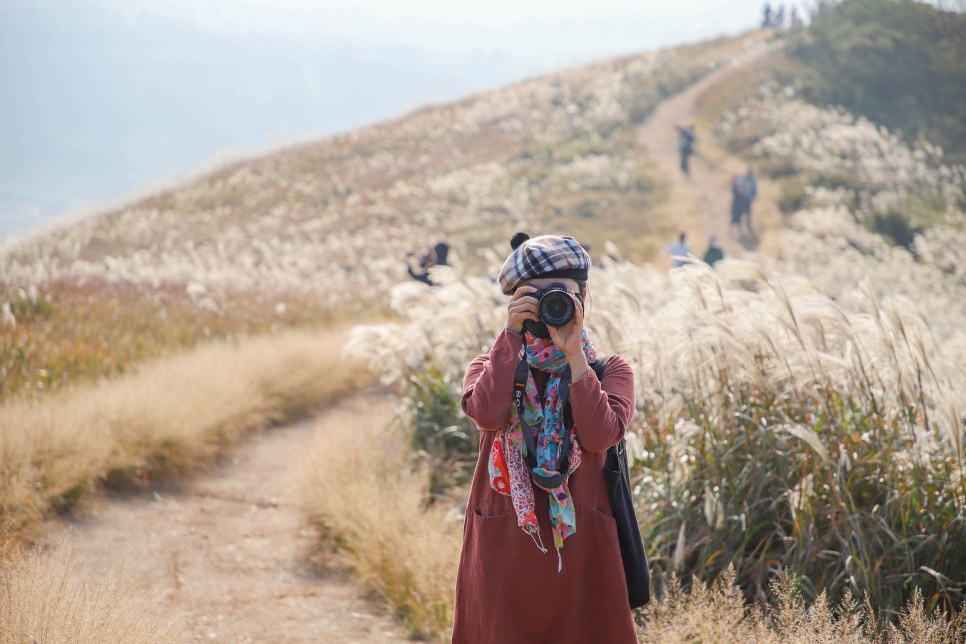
<point x="616" y="475"/>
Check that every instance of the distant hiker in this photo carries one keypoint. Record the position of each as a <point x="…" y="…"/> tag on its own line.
<point x="796" y="20"/>
<point x="557" y="93"/>
<point x="686" y="139"/>
<point x="766" y="16"/>
<point x="749" y="191"/>
<point x="714" y="253"/>
<point x="571" y="111"/>
<point x="779" y="21"/>
<point x="435" y="256"/>
<point x="679" y="251"/>
<point x="737" y="206"/>
<point x="744" y="189"/>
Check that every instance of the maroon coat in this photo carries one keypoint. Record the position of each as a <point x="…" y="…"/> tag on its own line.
<point x="508" y="591"/>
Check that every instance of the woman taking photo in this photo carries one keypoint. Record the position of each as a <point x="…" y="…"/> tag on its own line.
<point x="540" y="560"/>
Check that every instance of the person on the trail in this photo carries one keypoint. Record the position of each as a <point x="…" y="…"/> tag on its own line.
<point x="744" y="189"/>
<point x="749" y="190"/>
<point x="435" y="256"/>
<point x="714" y="253"/>
<point x="795" y="20"/>
<point x="540" y="560"/>
<point x="766" y="19"/>
<point x="779" y="21"/>
<point x="679" y="251"/>
<point x="686" y="139"/>
<point x="557" y="93"/>
<point x="738" y="205"/>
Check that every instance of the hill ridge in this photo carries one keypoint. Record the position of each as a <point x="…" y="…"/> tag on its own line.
<point x="429" y="170"/>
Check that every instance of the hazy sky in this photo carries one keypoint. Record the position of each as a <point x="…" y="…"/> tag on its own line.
<point x="104" y="97"/>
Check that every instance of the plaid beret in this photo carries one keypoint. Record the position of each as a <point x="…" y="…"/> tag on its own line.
<point x="543" y="256"/>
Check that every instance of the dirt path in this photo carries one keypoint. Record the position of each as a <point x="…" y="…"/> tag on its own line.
<point x="701" y="203"/>
<point x="229" y="557"/>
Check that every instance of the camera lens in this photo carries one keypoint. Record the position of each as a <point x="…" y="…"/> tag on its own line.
<point x="558" y="306"/>
<point x="556" y="309"/>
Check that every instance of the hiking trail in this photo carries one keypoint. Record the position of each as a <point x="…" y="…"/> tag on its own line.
<point x="229" y="556"/>
<point x="700" y="204"/>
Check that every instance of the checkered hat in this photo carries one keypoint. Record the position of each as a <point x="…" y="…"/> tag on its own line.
<point x="543" y="256"/>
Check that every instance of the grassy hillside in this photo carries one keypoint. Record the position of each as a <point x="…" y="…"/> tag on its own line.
<point x="321" y="230"/>
<point x="898" y="63"/>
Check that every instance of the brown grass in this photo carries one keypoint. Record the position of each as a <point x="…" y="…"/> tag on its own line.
<point x="44" y="599"/>
<point x="74" y="332"/>
<point x="719" y="614"/>
<point x="171" y="416"/>
<point x="362" y="489"/>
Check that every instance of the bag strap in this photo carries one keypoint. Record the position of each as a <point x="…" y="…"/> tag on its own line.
<point x="519" y="392"/>
<point x="529" y="437"/>
<point x="599" y="367"/>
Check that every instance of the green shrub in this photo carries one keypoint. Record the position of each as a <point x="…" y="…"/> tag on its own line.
<point x="777" y="167"/>
<point x="440" y="429"/>
<point x="828" y="492"/>
<point x="895" y="226"/>
<point x="896" y="62"/>
<point x="834" y="181"/>
<point x="793" y="195"/>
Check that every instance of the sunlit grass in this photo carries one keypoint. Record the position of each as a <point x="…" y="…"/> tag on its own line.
<point x="171" y="416"/>
<point x="364" y="489"/>
<point x="68" y="332"/>
<point x="43" y="598"/>
<point x="718" y="613"/>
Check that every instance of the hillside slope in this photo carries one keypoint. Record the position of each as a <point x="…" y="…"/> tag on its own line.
<point x="293" y="238"/>
<point x="552" y="151"/>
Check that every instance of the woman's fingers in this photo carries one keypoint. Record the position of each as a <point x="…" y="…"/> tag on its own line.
<point x="578" y="312"/>
<point x="522" y="307"/>
<point x="522" y="302"/>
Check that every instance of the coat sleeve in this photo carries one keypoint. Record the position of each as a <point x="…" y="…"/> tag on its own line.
<point x="603" y="408"/>
<point x="488" y="383"/>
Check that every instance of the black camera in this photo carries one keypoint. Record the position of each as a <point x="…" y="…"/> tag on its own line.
<point x="556" y="308"/>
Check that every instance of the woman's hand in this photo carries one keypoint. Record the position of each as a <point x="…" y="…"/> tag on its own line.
<point x="522" y="307"/>
<point x="569" y="339"/>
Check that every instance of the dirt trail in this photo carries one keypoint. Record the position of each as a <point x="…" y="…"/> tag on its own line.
<point x="229" y="557"/>
<point x="700" y="204"/>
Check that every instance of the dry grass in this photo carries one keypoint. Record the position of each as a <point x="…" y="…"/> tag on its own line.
<point x="171" y="416"/>
<point x="362" y="489"/>
<point x="719" y="614"/>
<point x="74" y="331"/>
<point x="44" y="599"/>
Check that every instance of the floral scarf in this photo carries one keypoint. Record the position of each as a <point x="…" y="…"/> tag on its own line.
<point x="507" y="468"/>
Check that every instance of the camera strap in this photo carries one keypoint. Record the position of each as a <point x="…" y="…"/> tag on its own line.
<point x="529" y="435"/>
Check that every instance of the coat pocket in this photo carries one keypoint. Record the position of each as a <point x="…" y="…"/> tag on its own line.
<point x="491" y="513"/>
